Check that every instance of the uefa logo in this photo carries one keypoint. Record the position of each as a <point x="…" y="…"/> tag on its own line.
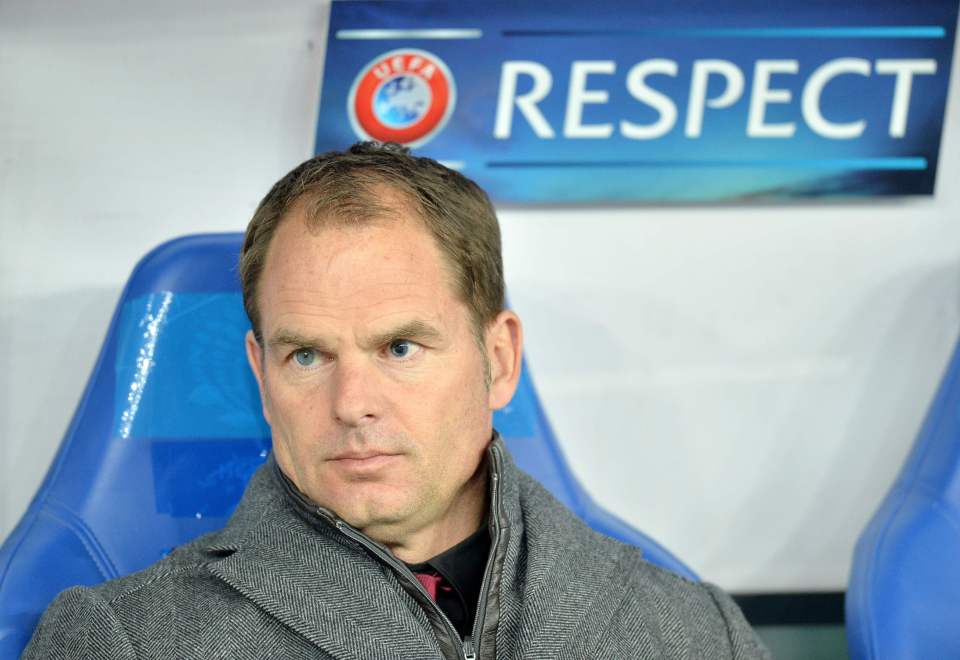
<point x="405" y="96"/>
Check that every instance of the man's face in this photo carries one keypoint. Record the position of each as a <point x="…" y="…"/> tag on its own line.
<point x="371" y="377"/>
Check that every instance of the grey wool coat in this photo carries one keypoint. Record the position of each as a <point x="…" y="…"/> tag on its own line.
<point x="286" y="579"/>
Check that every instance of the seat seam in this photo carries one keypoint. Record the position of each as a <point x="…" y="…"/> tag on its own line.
<point x="85" y="535"/>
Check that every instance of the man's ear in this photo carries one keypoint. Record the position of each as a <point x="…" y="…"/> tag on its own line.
<point x="504" y="344"/>
<point x="255" y="357"/>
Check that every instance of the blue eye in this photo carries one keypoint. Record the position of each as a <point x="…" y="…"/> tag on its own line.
<point x="402" y="348"/>
<point x="305" y="357"/>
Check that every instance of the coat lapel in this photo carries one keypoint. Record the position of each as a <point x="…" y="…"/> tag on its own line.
<point x="564" y="614"/>
<point x="325" y="588"/>
<point x="565" y="584"/>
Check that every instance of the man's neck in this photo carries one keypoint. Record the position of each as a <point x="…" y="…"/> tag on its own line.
<point x="462" y="519"/>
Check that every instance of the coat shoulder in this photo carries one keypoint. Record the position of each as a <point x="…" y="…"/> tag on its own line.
<point x="656" y="610"/>
<point x="79" y="624"/>
<point x="696" y="617"/>
<point x="182" y="562"/>
<point x="106" y="620"/>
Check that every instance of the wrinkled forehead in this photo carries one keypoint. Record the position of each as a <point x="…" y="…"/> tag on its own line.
<point x="308" y="248"/>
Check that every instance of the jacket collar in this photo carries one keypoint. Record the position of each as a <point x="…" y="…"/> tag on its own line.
<point x="322" y="585"/>
<point x="288" y="556"/>
<point x="291" y="561"/>
<point x="271" y="496"/>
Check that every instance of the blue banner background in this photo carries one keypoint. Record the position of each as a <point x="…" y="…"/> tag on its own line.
<point x="723" y="163"/>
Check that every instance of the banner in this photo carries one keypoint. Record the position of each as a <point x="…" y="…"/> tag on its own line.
<point x="726" y="100"/>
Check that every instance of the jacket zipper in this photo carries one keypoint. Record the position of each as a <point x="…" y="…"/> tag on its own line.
<point x="471" y="644"/>
<point x="388" y="558"/>
<point x="474" y="644"/>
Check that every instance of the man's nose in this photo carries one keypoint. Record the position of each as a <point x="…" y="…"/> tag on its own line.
<point x="355" y="393"/>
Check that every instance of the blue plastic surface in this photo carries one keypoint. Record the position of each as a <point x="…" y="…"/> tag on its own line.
<point x="169" y="430"/>
<point x="903" y="600"/>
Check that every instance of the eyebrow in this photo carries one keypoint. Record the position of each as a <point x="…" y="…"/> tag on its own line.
<point x="284" y="337"/>
<point x="416" y="330"/>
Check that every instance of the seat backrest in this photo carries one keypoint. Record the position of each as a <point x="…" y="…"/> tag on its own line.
<point x="169" y="430"/>
<point x="903" y="600"/>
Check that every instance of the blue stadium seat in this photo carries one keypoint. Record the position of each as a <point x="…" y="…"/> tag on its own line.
<point x="903" y="600"/>
<point x="169" y="430"/>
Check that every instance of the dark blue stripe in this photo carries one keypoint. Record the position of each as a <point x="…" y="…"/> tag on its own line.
<point x="877" y="32"/>
<point x="806" y="164"/>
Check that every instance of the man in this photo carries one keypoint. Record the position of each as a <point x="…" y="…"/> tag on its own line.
<point x="390" y="521"/>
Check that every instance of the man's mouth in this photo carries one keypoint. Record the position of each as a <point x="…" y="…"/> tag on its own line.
<point x="363" y="461"/>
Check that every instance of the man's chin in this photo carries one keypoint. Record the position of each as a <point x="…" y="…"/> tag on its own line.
<point x="389" y="531"/>
<point x="373" y="515"/>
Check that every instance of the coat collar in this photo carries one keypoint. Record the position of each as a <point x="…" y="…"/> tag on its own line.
<point x="270" y="498"/>
<point x="313" y="579"/>
<point x="288" y="556"/>
<point x="295" y="565"/>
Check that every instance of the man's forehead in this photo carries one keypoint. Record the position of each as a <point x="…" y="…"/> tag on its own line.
<point x="375" y="275"/>
<point x="355" y="257"/>
<point x="400" y="238"/>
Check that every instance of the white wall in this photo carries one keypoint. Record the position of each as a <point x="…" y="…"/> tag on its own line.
<point x="740" y="382"/>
